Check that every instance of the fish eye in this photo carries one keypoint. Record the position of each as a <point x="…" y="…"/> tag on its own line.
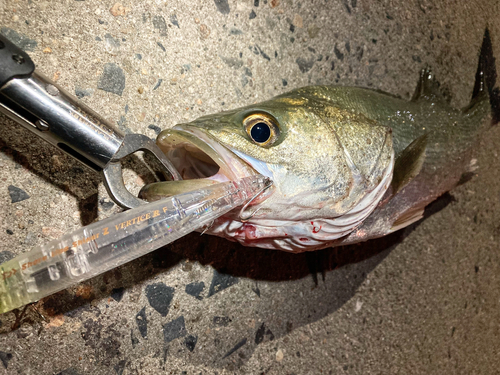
<point x="262" y="129"/>
<point x="260" y="132"/>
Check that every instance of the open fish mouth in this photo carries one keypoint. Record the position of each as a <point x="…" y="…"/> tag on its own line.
<point x="196" y="154"/>
<point x="200" y="159"/>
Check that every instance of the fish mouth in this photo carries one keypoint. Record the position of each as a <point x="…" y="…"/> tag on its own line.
<point x="200" y="159"/>
<point x="198" y="155"/>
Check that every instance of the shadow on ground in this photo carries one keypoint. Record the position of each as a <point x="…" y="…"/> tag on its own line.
<point x="233" y="259"/>
<point x="341" y="271"/>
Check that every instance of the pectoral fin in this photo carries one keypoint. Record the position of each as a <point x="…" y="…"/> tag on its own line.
<point x="409" y="163"/>
<point x="408" y="218"/>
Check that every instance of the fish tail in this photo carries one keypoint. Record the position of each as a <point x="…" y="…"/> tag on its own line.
<point x="486" y="75"/>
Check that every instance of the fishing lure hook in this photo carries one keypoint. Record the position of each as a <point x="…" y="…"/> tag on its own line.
<point x="268" y="184"/>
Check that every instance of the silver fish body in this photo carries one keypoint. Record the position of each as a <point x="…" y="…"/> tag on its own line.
<point x="348" y="164"/>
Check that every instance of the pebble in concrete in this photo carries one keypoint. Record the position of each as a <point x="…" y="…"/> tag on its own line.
<point x="117" y="294"/>
<point x="159" y="297"/>
<point x="112" y="79"/>
<point x="81" y="93"/>
<point x="222" y="6"/>
<point x="194" y="289"/>
<point x="5" y="358"/>
<point x="142" y="323"/>
<point x="220" y="282"/>
<point x="17" y="194"/>
<point x="222" y="321"/>
<point x="20" y="40"/>
<point x="174" y="329"/>
<point x="190" y="342"/>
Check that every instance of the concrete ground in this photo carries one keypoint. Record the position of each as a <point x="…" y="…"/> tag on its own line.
<point x="424" y="301"/>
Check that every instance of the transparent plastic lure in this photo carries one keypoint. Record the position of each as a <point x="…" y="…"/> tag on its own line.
<point x="111" y="242"/>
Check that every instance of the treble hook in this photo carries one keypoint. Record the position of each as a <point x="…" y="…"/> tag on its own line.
<point x="207" y="227"/>
<point x="243" y="219"/>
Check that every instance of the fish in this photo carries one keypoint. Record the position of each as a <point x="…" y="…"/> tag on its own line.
<point x="347" y="164"/>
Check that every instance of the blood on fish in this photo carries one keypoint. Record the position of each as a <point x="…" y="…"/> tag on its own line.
<point x="304" y="239"/>
<point x="250" y="231"/>
<point x="239" y="232"/>
<point x="315" y="229"/>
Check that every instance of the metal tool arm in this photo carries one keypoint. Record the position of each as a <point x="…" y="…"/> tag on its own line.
<point x="37" y="103"/>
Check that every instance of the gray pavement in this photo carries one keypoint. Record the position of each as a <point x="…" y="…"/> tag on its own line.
<point x="423" y="301"/>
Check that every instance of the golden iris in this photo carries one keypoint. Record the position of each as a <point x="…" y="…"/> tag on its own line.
<point x="262" y="129"/>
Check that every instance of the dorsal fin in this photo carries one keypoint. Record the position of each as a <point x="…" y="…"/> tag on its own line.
<point x="428" y="87"/>
<point x="486" y="76"/>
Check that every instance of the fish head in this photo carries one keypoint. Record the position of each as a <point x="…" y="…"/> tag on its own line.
<point x="329" y="168"/>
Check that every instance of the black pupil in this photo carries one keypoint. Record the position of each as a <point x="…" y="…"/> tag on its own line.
<point x="260" y="132"/>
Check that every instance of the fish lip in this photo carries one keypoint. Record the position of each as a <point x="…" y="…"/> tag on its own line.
<point x="231" y="166"/>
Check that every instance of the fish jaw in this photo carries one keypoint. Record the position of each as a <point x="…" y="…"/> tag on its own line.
<point x="307" y="235"/>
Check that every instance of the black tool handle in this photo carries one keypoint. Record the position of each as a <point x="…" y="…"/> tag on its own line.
<point x="14" y="62"/>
